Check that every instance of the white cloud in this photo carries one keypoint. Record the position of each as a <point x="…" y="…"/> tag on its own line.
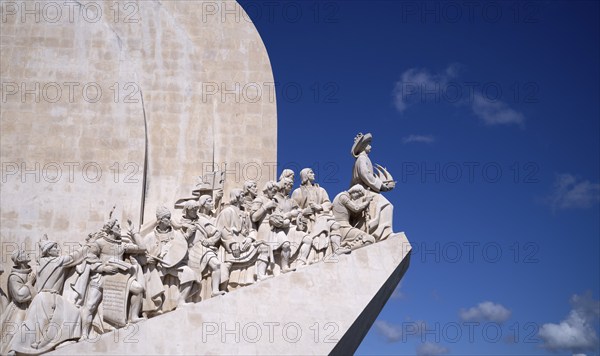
<point x="418" y="138"/>
<point x="391" y="332"/>
<point x="413" y="80"/>
<point x="419" y="85"/>
<point x="495" y="112"/>
<point x="569" y="192"/>
<point x="576" y="333"/>
<point x="431" y="349"/>
<point x="486" y="311"/>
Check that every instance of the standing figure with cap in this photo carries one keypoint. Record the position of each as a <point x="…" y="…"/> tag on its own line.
<point x="166" y="258"/>
<point x="379" y="217"/>
<point x="205" y="245"/>
<point x="20" y="293"/>
<point x="51" y="319"/>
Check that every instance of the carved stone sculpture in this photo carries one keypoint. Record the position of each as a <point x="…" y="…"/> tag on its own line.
<point x="315" y="204"/>
<point x="205" y="245"/>
<point x="242" y="254"/>
<point x="271" y="227"/>
<point x="51" y="319"/>
<point x="351" y="206"/>
<point x="167" y="251"/>
<point x="95" y="269"/>
<point x="20" y="294"/>
<point x="325" y="232"/>
<point x="126" y="284"/>
<point x="381" y="212"/>
<point x="116" y="277"/>
<point x="296" y="231"/>
<point x="310" y="196"/>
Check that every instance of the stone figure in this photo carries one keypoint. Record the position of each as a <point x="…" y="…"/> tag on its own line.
<point x="272" y="227"/>
<point x="154" y="291"/>
<point x="50" y="319"/>
<point x="84" y="287"/>
<point x="166" y="258"/>
<point x="315" y="204"/>
<point x="349" y="207"/>
<point x="188" y="220"/>
<point x="116" y="250"/>
<point x="325" y="232"/>
<point x="242" y="254"/>
<point x="205" y="244"/>
<point x="250" y="191"/>
<point x="297" y="236"/>
<point x="20" y="293"/>
<point x="310" y="195"/>
<point x="380" y="213"/>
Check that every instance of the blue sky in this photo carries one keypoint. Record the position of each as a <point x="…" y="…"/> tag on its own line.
<point x="487" y="115"/>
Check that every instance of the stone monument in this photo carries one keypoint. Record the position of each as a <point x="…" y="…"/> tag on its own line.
<point x="204" y="262"/>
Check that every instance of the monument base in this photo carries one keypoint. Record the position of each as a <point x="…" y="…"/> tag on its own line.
<point x="324" y="308"/>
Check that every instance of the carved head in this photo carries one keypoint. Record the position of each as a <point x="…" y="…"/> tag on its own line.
<point x="307" y="175"/>
<point x="112" y="227"/>
<point x="205" y="203"/>
<point x="163" y="216"/>
<point x="190" y="209"/>
<point x="286" y="185"/>
<point x="287" y="173"/>
<point x="20" y="257"/>
<point x="250" y="188"/>
<point x="362" y="143"/>
<point x="235" y="196"/>
<point x="49" y="248"/>
<point x="356" y="191"/>
<point x="271" y="188"/>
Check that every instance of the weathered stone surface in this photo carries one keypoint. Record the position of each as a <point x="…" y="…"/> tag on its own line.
<point x="85" y="151"/>
<point x="324" y="308"/>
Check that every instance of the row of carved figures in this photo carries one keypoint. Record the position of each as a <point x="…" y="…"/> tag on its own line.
<point x="119" y="277"/>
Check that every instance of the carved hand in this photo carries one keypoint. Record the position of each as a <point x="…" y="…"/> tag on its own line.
<point x="316" y="207"/>
<point x="31" y="277"/>
<point x="246" y="244"/>
<point x="108" y="269"/>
